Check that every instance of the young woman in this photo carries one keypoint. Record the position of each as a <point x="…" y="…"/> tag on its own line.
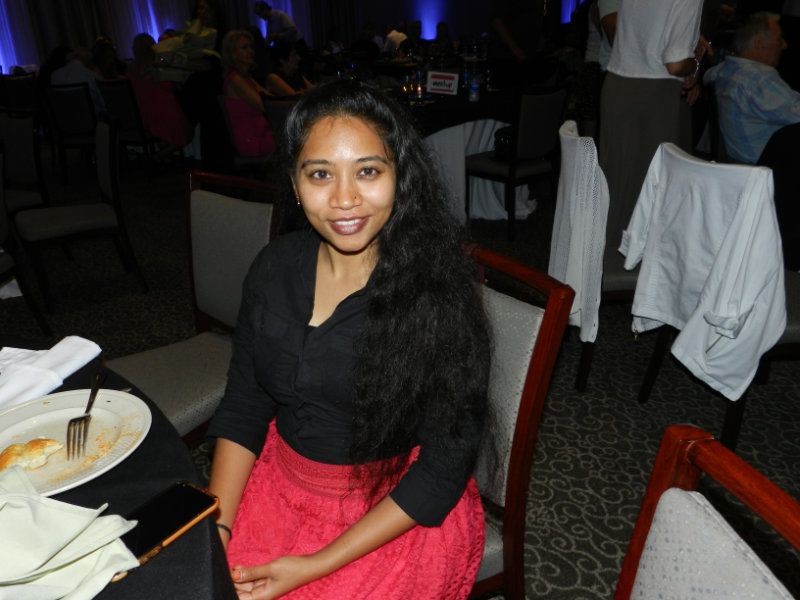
<point x="252" y="133"/>
<point x="361" y="355"/>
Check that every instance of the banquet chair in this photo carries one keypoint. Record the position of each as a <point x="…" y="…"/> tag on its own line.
<point x="39" y="227"/>
<point x="534" y="136"/>
<point x="711" y="268"/>
<point x="528" y="313"/>
<point x="25" y="187"/>
<point x="18" y="93"/>
<point x="243" y="165"/>
<point x="681" y="544"/>
<point x="9" y="258"/>
<point x="72" y="119"/>
<point x="187" y="379"/>
<point x="121" y="104"/>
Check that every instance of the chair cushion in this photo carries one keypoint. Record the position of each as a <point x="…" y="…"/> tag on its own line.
<point x="492" y="562"/>
<point x="186" y="379"/>
<point x="692" y="552"/>
<point x="792" y="333"/>
<point x="485" y="164"/>
<point x="57" y="221"/>
<point x="17" y="200"/>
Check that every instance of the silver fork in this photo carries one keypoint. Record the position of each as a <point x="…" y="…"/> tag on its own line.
<point x="78" y="427"/>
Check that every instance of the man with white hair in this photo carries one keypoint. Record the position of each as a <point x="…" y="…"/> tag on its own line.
<point x="754" y="102"/>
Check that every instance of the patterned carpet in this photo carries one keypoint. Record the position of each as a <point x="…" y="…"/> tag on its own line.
<point x="595" y="448"/>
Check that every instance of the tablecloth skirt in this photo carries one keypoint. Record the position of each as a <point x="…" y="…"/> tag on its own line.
<point x="292" y="505"/>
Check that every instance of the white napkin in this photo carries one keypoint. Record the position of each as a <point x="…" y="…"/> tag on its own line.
<point x="52" y="550"/>
<point x="29" y="374"/>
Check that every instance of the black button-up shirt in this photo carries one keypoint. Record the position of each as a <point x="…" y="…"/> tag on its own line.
<point x="300" y="375"/>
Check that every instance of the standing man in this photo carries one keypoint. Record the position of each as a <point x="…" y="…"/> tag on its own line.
<point x="655" y="57"/>
<point x="280" y="27"/>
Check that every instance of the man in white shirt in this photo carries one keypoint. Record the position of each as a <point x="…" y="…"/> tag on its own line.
<point x="78" y="70"/>
<point x="280" y="26"/>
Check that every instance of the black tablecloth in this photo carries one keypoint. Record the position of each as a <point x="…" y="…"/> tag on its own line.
<point x="191" y="568"/>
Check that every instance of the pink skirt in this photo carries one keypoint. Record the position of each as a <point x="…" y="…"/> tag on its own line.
<point x="292" y="505"/>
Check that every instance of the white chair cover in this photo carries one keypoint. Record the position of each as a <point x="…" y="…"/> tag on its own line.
<point x="692" y="552"/>
<point x="712" y="266"/>
<point x="579" y="228"/>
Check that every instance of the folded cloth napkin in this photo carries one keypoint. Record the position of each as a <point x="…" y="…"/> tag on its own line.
<point x="29" y="374"/>
<point x="52" y="550"/>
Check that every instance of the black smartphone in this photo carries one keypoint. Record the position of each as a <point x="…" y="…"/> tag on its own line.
<point x="167" y="516"/>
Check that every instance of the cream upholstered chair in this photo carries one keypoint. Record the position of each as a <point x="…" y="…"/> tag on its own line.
<point x="39" y="227"/>
<point x="526" y="341"/>
<point x="8" y="265"/>
<point x="681" y="544"/>
<point x="23" y="169"/>
<point x="187" y="379"/>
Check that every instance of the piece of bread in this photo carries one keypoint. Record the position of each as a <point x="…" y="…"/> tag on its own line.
<point x="31" y="455"/>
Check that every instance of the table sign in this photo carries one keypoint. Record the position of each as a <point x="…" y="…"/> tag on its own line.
<point x="440" y="82"/>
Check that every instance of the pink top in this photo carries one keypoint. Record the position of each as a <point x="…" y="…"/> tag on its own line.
<point x="252" y="134"/>
<point x="161" y="114"/>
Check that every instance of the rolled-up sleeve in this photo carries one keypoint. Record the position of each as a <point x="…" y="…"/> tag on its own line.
<point x="435" y="482"/>
<point x="245" y="411"/>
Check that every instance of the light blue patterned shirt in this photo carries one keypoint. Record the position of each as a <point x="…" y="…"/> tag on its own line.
<point x="754" y="102"/>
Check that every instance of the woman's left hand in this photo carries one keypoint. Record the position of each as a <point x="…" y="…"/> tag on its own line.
<point x="274" y="579"/>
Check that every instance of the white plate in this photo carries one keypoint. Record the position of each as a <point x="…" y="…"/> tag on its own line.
<point x="119" y="423"/>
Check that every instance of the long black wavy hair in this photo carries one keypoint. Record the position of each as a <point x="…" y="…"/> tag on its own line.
<point x="425" y="348"/>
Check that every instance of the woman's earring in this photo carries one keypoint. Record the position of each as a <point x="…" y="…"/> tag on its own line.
<point x="297" y="198"/>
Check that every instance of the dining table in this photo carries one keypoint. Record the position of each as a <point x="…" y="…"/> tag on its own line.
<point x="456" y="127"/>
<point x="194" y="566"/>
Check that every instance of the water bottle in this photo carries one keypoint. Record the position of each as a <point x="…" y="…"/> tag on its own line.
<point x="474" y="90"/>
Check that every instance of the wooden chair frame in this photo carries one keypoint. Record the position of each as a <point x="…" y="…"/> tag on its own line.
<point x="545" y="352"/>
<point x="686" y="453"/>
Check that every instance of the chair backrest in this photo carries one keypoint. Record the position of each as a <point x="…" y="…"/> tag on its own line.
<point x="579" y="228"/>
<point x="107" y="157"/>
<point x="23" y="164"/>
<point x="277" y="112"/>
<point x="19" y="93"/>
<point x="680" y="543"/>
<point x="526" y="342"/>
<point x="711" y="265"/>
<point x="4" y="226"/>
<point x="540" y="117"/>
<point x="121" y="104"/>
<point x="226" y="234"/>
<point x="71" y="109"/>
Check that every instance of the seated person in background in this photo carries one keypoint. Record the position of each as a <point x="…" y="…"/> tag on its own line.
<point x="161" y="113"/>
<point x="252" y="134"/>
<point x="280" y="27"/>
<point x="754" y="102"/>
<point x="394" y="37"/>
<point x="107" y="65"/>
<point x="286" y="78"/>
<point x="55" y="60"/>
<point x="79" y="69"/>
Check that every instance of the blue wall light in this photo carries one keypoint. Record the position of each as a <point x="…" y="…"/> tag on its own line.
<point x="567" y="7"/>
<point x="430" y="12"/>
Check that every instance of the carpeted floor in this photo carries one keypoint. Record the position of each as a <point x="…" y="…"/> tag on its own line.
<point x="595" y="448"/>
